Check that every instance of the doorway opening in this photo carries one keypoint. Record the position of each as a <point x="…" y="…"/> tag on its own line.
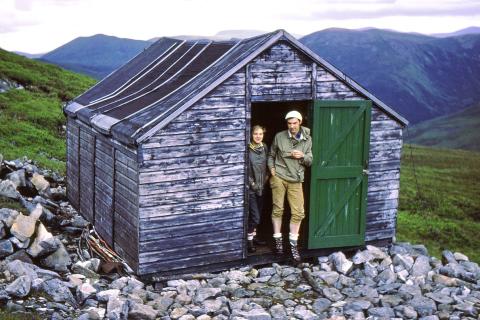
<point x="271" y="116"/>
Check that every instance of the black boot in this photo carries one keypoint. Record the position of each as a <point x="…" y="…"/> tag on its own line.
<point x="278" y="246"/>
<point x="251" y="247"/>
<point x="295" y="255"/>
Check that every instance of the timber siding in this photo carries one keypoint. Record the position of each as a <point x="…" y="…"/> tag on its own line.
<point x="191" y="183"/>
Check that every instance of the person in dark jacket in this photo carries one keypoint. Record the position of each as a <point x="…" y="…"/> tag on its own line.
<point x="257" y="179"/>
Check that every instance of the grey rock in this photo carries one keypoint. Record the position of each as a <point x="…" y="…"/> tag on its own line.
<point x="403" y="260"/>
<point x="301" y="312"/>
<point x="59" y="260"/>
<point x="341" y="263"/>
<point x="120" y="283"/>
<point x="85" y="291"/>
<point x="370" y="270"/>
<point x="410" y="290"/>
<point x="439" y="297"/>
<point x="381" y="312"/>
<point x="376" y="252"/>
<point x="329" y="277"/>
<point x="20" y="255"/>
<point x="176" y="313"/>
<point x="184" y="298"/>
<point x="467" y="308"/>
<point x="424" y="306"/>
<point x="332" y="294"/>
<point x="448" y="257"/>
<point x="20" y="287"/>
<point x="278" y="312"/>
<point x="419" y="249"/>
<point x="18" y="243"/>
<point x="141" y="312"/>
<point x="132" y="284"/>
<point x="470" y="266"/>
<point x="460" y="257"/>
<point x="18" y="178"/>
<point x="117" y="308"/>
<point x="85" y="268"/>
<point x="205" y="293"/>
<point x="104" y="296"/>
<point x="242" y="293"/>
<point x="444" y="280"/>
<point x="421" y="266"/>
<point x="8" y="216"/>
<point x="390" y="300"/>
<point x="8" y="189"/>
<point x="369" y="292"/>
<point x="387" y="276"/>
<point x="362" y="257"/>
<point x="212" y="306"/>
<point x="44" y="243"/>
<point x="187" y="317"/>
<point x="40" y="183"/>
<point x="432" y="317"/>
<point x="266" y="272"/>
<point x="58" y="291"/>
<point x="161" y="304"/>
<point x="6" y="248"/>
<point x="409" y="312"/>
<point x="389" y="288"/>
<point x="320" y="305"/>
<point x="253" y="314"/>
<point x="19" y="268"/>
<point x="403" y="275"/>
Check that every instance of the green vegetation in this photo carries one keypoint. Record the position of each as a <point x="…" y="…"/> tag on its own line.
<point x="456" y="131"/>
<point x="439" y="200"/>
<point x="31" y="118"/>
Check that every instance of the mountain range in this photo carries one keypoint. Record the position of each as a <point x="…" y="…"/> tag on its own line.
<point x="422" y="77"/>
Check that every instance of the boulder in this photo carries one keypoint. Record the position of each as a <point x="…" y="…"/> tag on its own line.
<point x="58" y="291"/>
<point x="141" y="312"/>
<point x="59" y="260"/>
<point x="85" y="291"/>
<point x="23" y="227"/>
<point x="376" y="252"/>
<point x="6" y="248"/>
<point x="20" y="287"/>
<point x="117" y="308"/>
<point x="421" y="266"/>
<point x="39" y="182"/>
<point x="8" y="216"/>
<point x="8" y="189"/>
<point x="18" y="178"/>
<point x="104" y="296"/>
<point x="341" y="263"/>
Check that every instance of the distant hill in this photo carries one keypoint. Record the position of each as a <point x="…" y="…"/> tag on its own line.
<point x="462" y="32"/>
<point x="29" y="55"/>
<point x="31" y="116"/>
<point x="456" y="131"/>
<point x="97" y="55"/>
<point x="421" y="77"/>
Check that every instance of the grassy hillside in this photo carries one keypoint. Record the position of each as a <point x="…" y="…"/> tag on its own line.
<point x="439" y="199"/>
<point x="31" y="118"/>
<point x="456" y="131"/>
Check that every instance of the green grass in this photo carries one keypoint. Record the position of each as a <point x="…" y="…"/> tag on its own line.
<point x="32" y="118"/>
<point x="439" y="200"/>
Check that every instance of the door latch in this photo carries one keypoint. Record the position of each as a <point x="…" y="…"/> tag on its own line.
<point x="365" y="171"/>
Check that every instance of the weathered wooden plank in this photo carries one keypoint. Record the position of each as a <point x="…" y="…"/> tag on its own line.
<point x="382" y="205"/>
<point x="127" y="215"/>
<point x="189" y="218"/>
<point x="218" y="102"/>
<point x="337" y="95"/>
<point x="383" y="175"/>
<point x="189" y="251"/>
<point x="189" y="240"/>
<point x="228" y="90"/>
<point x="280" y="97"/>
<point x="385" y="135"/>
<point x="281" y="89"/>
<point x="385" y="125"/>
<point x="324" y="75"/>
<point x="126" y="235"/>
<point x="263" y="78"/>
<point x="194" y="138"/>
<point x="203" y="126"/>
<point x="193" y="173"/>
<point x="385" y="154"/>
<point x="129" y="207"/>
<point x="103" y="174"/>
<point x="280" y="67"/>
<point x="381" y="215"/>
<point x="379" y="115"/>
<point x="190" y="196"/>
<point x="380" y="225"/>
<point x="127" y="160"/>
<point x="131" y="196"/>
<point x="198" y="206"/>
<point x="383" y="185"/>
<point x="213" y="114"/>
<point x="126" y="182"/>
<point x="385" y="144"/>
<point x="107" y="158"/>
<point x="192" y="150"/>
<point x="384" y="165"/>
<point x="185" y="230"/>
<point x="235" y="79"/>
<point x="376" y="234"/>
<point x="190" y="184"/>
<point x="332" y="86"/>
<point x="105" y="194"/>
<point x="192" y="162"/>
<point x="126" y="171"/>
<point x="176" y="264"/>
<point x="383" y="195"/>
<point x="277" y="55"/>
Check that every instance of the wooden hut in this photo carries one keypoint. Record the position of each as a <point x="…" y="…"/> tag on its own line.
<point x="157" y="151"/>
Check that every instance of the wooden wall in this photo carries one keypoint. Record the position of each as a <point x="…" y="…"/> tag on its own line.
<point x="192" y="184"/>
<point x="102" y="184"/>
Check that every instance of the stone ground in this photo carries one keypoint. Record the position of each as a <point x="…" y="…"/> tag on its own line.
<point x="44" y="272"/>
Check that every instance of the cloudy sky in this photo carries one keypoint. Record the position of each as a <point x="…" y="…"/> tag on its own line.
<point x="37" y="26"/>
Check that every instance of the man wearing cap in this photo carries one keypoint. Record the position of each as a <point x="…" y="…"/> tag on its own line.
<point x="290" y="154"/>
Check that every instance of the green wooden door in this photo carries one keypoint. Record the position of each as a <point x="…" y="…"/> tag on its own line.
<point x="338" y="187"/>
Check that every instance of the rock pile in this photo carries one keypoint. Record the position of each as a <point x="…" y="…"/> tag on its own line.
<point x="41" y="273"/>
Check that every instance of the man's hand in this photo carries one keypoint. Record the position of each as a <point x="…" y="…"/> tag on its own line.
<point x="297" y="154"/>
<point x="272" y="171"/>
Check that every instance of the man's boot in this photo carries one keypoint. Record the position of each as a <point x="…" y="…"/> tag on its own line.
<point x="251" y="246"/>
<point x="278" y="243"/>
<point x="295" y="255"/>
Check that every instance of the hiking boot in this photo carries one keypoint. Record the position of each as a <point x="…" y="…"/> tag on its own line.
<point x="295" y="255"/>
<point x="251" y="247"/>
<point x="278" y="246"/>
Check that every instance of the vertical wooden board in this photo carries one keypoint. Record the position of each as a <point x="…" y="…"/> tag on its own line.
<point x="73" y="164"/>
<point x="87" y="172"/>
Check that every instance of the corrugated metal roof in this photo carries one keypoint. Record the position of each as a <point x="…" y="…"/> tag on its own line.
<point x="169" y="76"/>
